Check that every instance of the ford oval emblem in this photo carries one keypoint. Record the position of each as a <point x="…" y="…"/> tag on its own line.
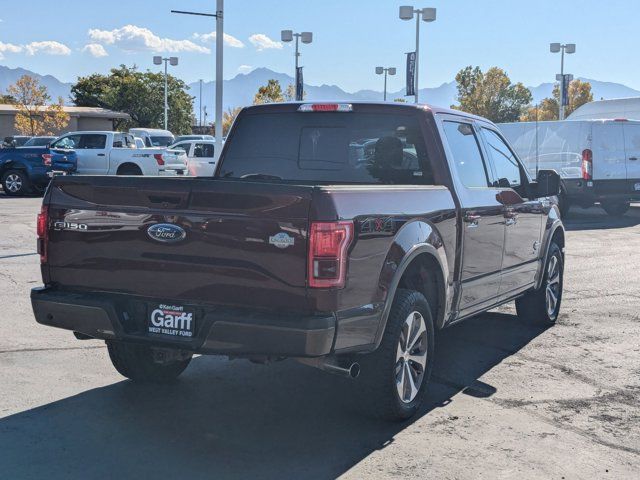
<point x="166" y="232"/>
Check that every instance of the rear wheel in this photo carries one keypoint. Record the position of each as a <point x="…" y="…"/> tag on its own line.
<point x="615" y="209"/>
<point x="397" y="373"/>
<point x="129" y="169"/>
<point x="15" y="183"/>
<point x="145" y="364"/>
<point x="543" y="305"/>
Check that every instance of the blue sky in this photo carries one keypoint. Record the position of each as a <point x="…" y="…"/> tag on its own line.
<point x="351" y="37"/>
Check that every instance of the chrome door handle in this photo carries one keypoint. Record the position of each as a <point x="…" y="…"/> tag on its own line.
<point x="472" y="220"/>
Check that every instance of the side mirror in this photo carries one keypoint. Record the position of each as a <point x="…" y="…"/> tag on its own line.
<point x="547" y="183"/>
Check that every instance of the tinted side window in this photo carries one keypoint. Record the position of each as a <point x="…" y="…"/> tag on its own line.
<point x="466" y="154"/>
<point x="70" y="141"/>
<point x="502" y="157"/>
<point x="204" y="150"/>
<point x="93" y="141"/>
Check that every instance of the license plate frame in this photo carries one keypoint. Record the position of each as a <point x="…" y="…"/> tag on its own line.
<point x="168" y="320"/>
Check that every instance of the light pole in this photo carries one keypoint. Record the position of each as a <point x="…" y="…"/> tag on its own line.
<point x="568" y="48"/>
<point x="200" y="105"/>
<point x="428" y="15"/>
<point x="390" y="71"/>
<point x="219" y="39"/>
<point x="157" y="60"/>
<point x="306" y="37"/>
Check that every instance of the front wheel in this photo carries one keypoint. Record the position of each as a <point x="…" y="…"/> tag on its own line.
<point x="616" y="209"/>
<point x="543" y="305"/>
<point x="15" y="183"/>
<point x="396" y="375"/>
<point x="142" y="364"/>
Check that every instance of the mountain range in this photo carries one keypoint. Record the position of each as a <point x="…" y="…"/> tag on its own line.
<point x="240" y="89"/>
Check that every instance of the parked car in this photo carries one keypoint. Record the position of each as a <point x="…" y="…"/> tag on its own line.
<point x="296" y="248"/>
<point x="24" y="170"/>
<point x="115" y="153"/>
<point x="598" y="160"/>
<point x="39" y="141"/>
<point x="15" y="141"/>
<point x="153" y="137"/>
<point x="182" y="138"/>
<point x="201" y="156"/>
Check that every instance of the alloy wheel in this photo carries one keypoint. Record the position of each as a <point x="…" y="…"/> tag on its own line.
<point x="13" y="183"/>
<point x="553" y="286"/>
<point x="411" y="357"/>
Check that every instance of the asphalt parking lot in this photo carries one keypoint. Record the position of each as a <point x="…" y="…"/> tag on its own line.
<point x="508" y="399"/>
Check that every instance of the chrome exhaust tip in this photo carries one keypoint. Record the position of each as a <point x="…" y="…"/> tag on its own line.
<point x="331" y="365"/>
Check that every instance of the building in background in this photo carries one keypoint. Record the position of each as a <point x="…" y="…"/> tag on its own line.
<point x="80" y="118"/>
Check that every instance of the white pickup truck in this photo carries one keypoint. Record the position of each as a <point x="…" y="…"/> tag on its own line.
<point x="115" y="153"/>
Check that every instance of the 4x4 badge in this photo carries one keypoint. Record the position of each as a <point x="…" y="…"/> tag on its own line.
<point x="282" y="240"/>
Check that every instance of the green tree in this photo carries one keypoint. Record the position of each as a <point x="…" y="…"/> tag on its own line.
<point x="290" y="93"/>
<point x="7" y="99"/>
<point x="548" y="109"/>
<point x="269" y="93"/>
<point x="491" y="94"/>
<point x="140" y="94"/>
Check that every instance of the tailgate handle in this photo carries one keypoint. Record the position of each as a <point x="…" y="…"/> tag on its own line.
<point x="165" y="199"/>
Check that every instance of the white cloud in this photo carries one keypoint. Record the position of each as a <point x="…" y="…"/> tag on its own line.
<point x="245" y="68"/>
<point x="48" y="47"/>
<point x="262" y="42"/>
<point x="229" y="40"/>
<point x="95" y="50"/>
<point x="9" y="48"/>
<point x="132" y="38"/>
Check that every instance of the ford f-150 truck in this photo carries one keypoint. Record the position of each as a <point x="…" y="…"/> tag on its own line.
<point x="339" y="235"/>
<point x="25" y="169"/>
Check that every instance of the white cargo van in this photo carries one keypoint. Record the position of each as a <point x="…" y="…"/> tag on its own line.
<point x="598" y="160"/>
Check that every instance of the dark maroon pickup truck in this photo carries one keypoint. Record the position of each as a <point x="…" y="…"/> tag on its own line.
<point x="339" y="235"/>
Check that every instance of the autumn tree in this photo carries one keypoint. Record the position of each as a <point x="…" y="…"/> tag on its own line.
<point x="269" y="93"/>
<point x="548" y="109"/>
<point x="35" y="113"/>
<point x="228" y="118"/>
<point x="491" y="94"/>
<point x="140" y="94"/>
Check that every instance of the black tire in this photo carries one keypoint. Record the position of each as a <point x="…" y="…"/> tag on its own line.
<point x="380" y="370"/>
<point x="533" y="306"/>
<point x="616" y="209"/>
<point x="16" y="183"/>
<point x="137" y="363"/>
<point x="129" y="169"/>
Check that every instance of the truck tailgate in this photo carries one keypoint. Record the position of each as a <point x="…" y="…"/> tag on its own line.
<point x="244" y="242"/>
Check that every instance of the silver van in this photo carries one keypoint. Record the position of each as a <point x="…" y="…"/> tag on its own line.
<point x="598" y="160"/>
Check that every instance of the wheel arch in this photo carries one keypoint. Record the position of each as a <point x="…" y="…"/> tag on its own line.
<point x="422" y="266"/>
<point x="555" y="233"/>
<point x="128" y="164"/>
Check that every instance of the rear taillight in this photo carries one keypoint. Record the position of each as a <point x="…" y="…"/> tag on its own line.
<point x="328" y="244"/>
<point x="42" y="231"/>
<point x="587" y="164"/>
<point x="159" y="159"/>
<point x="46" y="159"/>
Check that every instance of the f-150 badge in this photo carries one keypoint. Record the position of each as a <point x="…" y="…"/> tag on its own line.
<point x="282" y="240"/>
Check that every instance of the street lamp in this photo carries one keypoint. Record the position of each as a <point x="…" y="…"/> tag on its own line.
<point x="428" y="15"/>
<point x="390" y="71"/>
<point x="306" y="37"/>
<point x="568" y="48"/>
<point x="219" y="39"/>
<point x="157" y="60"/>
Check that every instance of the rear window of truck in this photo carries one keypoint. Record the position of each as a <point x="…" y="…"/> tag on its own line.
<point x="328" y="147"/>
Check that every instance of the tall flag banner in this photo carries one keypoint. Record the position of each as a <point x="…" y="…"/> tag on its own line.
<point x="411" y="74"/>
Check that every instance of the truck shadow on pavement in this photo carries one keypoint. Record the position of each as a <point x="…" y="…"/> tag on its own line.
<point x="240" y="420"/>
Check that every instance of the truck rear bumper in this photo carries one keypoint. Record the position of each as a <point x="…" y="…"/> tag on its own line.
<point x="218" y="330"/>
<point x="588" y="192"/>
